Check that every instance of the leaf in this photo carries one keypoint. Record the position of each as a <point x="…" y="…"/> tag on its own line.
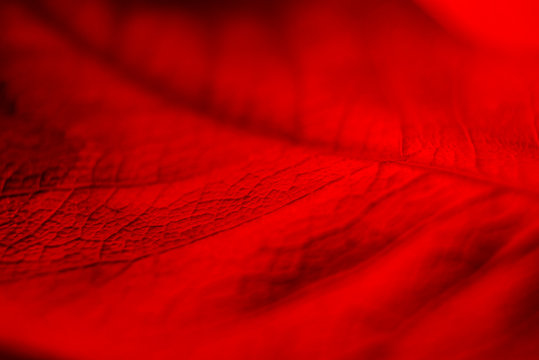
<point x="293" y="180"/>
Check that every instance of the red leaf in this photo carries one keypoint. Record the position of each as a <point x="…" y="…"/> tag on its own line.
<point x="327" y="179"/>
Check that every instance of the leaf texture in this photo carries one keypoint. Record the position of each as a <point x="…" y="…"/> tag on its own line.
<point x="325" y="180"/>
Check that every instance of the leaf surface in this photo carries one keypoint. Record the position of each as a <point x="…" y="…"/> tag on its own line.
<point x="296" y="180"/>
